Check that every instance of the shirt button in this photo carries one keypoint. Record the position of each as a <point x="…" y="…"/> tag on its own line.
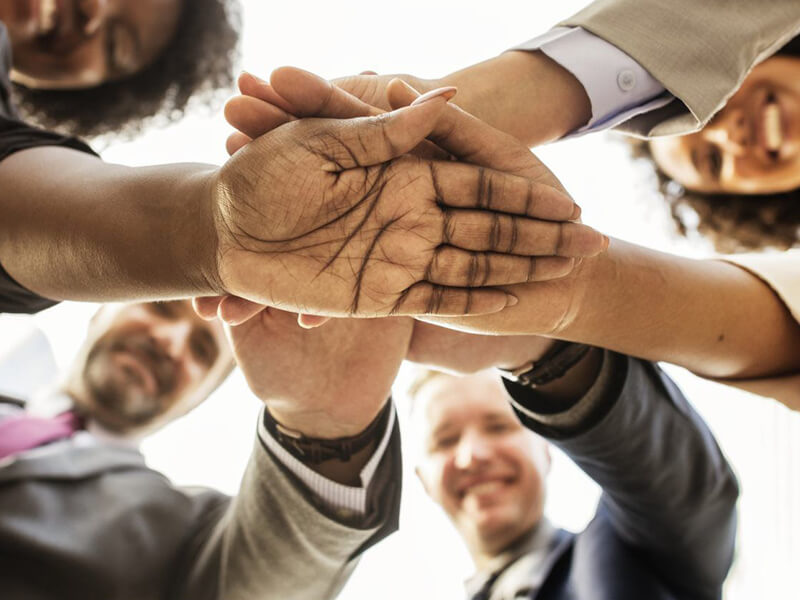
<point x="626" y="80"/>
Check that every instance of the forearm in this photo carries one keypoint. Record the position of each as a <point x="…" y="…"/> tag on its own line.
<point x="76" y="228"/>
<point x="667" y="490"/>
<point x="525" y="94"/>
<point x="706" y="315"/>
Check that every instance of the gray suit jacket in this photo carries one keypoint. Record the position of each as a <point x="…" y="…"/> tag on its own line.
<point x="96" y="523"/>
<point x="700" y="50"/>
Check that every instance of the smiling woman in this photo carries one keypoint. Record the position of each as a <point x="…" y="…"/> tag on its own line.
<point x="739" y="177"/>
<point x="91" y="67"/>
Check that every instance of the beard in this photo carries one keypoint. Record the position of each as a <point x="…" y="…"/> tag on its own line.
<point x="120" y="395"/>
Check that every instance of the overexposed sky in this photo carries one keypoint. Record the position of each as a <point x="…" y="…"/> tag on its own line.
<point x="426" y="560"/>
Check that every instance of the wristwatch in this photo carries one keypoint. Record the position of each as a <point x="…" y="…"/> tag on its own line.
<point x="553" y="365"/>
<point x="316" y="450"/>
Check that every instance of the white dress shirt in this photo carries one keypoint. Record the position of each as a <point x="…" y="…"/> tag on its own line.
<point x="618" y="87"/>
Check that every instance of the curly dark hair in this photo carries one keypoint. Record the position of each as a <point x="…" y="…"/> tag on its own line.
<point x="732" y="222"/>
<point x="197" y="65"/>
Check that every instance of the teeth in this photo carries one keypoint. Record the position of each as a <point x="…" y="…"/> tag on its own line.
<point x="47" y="16"/>
<point x="772" y="127"/>
<point x="484" y="488"/>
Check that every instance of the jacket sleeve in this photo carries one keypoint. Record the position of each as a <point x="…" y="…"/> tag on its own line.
<point x="275" y="541"/>
<point x="699" y="51"/>
<point x="667" y="489"/>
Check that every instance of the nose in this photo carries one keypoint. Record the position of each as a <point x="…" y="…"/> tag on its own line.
<point x="731" y="131"/>
<point x="472" y="451"/>
<point x="173" y="337"/>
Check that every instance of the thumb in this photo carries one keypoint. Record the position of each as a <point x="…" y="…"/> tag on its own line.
<point x="367" y="141"/>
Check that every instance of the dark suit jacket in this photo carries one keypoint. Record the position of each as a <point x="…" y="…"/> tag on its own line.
<point x="665" y="526"/>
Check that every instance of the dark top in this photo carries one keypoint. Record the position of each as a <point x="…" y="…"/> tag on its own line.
<point x="15" y="136"/>
<point x="666" y="521"/>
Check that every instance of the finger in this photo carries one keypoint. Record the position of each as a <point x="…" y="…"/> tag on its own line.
<point x="428" y="299"/>
<point x="454" y="267"/>
<point x="311" y="321"/>
<point x="236" y="141"/>
<point x="254" y="117"/>
<point x="486" y="231"/>
<point x="468" y="186"/>
<point x="234" y="310"/>
<point x="367" y="141"/>
<point x="250" y="85"/>
<point x="473" y="140"/>
<point x="309" y="95"/>
<point x="206" y="307"/>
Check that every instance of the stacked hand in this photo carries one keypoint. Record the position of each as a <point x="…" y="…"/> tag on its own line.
<point x="294" y="93"/>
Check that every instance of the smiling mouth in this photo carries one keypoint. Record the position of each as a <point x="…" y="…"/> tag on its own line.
<point x="484" y="488"/>
<point x="137" y="368"/>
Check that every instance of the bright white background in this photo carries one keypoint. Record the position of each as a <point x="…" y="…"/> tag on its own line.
<point x="425" y="559"/>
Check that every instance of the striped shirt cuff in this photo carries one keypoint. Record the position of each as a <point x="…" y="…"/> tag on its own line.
<point x="336" y="496"/>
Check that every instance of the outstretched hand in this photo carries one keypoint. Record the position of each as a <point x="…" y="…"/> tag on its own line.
<point x="294" y="93"/>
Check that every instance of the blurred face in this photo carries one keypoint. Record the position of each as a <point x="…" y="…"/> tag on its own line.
<point x="58" y="44"/>
<point x="479" y="463"/>
<point x="148" y="360"/>
<point x="752" y="146"/>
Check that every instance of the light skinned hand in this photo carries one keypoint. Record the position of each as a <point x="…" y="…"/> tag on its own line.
<point x="312" y="380"/>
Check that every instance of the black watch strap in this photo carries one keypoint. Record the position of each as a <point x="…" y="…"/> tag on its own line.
<point x="316" y="450"/>
<point x="553" y="365"/>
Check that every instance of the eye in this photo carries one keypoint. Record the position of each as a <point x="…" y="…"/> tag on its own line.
<point x="442" y="443"/>
<point x="714" y="159"/>
<point x="162" y="309"/>
<point x="497" y="427"/>
<point x="204" y="347"/>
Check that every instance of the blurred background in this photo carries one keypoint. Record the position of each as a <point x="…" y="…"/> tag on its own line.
<point x="426" y="559"/>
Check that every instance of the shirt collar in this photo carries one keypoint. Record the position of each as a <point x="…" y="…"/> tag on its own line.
<point x="535" y="545"/>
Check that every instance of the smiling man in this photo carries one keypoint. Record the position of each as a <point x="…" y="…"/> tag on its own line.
<point x="82" y="516"/>
<point x="665" y="525"/>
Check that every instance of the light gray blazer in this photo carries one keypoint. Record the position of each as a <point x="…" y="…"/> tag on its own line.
<point x="97" y="523"/>
<point x="700" y="50"/>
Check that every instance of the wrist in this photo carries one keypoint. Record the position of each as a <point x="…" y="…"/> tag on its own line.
<point x="322" y="424"/>
<point x="528" y="352"/>
<point x="196" y="241"/>
<point x="525" y="94"/>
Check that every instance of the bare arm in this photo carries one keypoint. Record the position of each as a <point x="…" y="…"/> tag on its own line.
<point x="320" y="216"/>
<point x="709" y="316"/>
<point x="76" y="228"/>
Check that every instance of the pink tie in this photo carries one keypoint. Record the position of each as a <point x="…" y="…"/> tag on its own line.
<point x="23" y="432"/>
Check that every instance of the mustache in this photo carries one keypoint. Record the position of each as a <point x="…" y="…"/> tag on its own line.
<point x="159" y="363"/>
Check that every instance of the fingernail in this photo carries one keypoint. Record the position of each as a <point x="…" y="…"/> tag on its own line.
<point x="576" y="213"/>
<point x="511" y="300"/>
<point x="445" y="92"/>
<point x="256" y="77"/>
<point x="607" y="241"/>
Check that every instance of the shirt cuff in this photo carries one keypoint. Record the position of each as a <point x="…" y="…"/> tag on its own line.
<point x="579" y="415"/>
<point x="618" y="87"/>
<point x="335" y="496"/>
